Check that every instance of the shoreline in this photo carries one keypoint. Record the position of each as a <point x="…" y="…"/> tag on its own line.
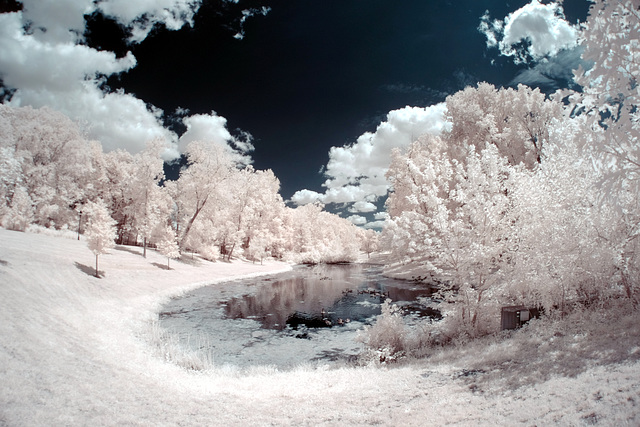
<point x="74" y="351"/>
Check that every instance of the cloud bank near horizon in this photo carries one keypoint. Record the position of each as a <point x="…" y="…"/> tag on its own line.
<point x="44" y="62"/>
<point x="356" y="173"/>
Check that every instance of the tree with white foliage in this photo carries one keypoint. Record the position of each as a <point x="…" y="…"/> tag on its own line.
<point x="10" y="175"/>
<point x="119" y="170"/>
<point x="565" y="251"/>
<point x="259" y="245"/>
<point x="253" y="200"/>
<point x="16" y="207"/>
<point x="200" y="183"/>
<point x="101" y="231"/>
<point x="150" y="205"/>
<point x="609" y="104"/>
<point x="500" y="220"/>
<point x="455" y="218"/>
<point x="610" y="94"/>
<point x="316" y="236"/>
<point x="515" y="121"/>
<point x="56" y="162"/>
<point x="168" y="245"/>
<point x="370" y="242"/>
<point x="19" y="213"/>
<point x="52" y="176"/>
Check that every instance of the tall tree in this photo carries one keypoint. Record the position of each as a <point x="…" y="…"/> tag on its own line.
<point x="253" y="203"/>
<point x="119" y="166"/>
<point x="56" y="161"/>
<point x="514" y="120"/>
<point x="150" y="205"/>
<point x="609" y="104"/>
<point x="500" y="219"/>
<point x="16" y="207"/>
<point x="208" y="167"/>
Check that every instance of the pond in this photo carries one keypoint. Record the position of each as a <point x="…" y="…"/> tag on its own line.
<point x="311" y="314"/>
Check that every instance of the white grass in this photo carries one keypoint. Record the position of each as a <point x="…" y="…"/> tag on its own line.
<point x="77" y="350"/>
<point x="168" y="347"/>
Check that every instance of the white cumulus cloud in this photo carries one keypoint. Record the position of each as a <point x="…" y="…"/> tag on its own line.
<point x="356" y="172"/>
<point x="27" y="62"/>
<point x="63" y="20"/>
<point x="57" y="20"/>
<point x="304" y="197"/>
<point x="363" y="206"/>
<point x="377" y="225"/>
<point x="357" y="219"/>
<point x="140" y="16"/>
<point x="66" y="76"/>
<point x="380" y="220"/>
<point x="204" y="127"/>
<point x="381" y="215"/>
<point x="213" y="128"/>
<point x="44" y="63"/>
<point x="542" y="26"/>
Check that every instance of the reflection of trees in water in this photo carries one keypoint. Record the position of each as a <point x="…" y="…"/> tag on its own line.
<point x="407" y="294"/>
<point x="311" y="292"/>
<point x="321" y="288"/>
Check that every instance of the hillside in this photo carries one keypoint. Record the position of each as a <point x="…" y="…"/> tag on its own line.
<point x="77" y="350"/>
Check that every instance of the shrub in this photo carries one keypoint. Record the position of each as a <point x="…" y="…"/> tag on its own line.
<point x="385" y="340"/>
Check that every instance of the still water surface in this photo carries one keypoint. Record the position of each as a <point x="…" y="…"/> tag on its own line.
<point x="326" y="296"/>
<point x="310" y="314"/>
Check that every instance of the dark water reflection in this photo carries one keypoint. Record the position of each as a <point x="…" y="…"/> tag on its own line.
<point x="327" y="296"/>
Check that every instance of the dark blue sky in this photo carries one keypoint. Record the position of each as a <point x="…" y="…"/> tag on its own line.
<point x="312" y="74"/>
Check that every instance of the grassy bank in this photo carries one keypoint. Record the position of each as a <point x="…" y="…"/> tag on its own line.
<point x="78" y="350"/>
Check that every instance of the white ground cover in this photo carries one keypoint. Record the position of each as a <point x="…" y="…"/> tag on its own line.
<point x="77" y="350"/>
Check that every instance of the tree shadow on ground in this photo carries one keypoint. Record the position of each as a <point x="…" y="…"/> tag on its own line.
<point x="335" y="355"/>
<point x="190" y="260"/>
<point x="162" y="266"/>
<point x="91" y="271"/>
<point x="131" y="249"/>
<point x="3" y="262"/>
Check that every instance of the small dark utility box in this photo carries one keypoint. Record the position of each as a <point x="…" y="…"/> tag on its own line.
<point x="515" y="316"/>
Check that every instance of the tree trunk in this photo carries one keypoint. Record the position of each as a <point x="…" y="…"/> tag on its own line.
<point x="474" y="320"/>
<point x="190" y="223"/>
<point x="231" y="252"/>
<point x="79" y="223"/>
<point x="97" y="274"/>
<point x="144" y="247"/>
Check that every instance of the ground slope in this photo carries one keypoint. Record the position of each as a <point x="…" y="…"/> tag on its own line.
<point x="76" y="350"/>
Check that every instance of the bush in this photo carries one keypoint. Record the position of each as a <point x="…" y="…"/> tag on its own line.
<point x="385" y="340"/>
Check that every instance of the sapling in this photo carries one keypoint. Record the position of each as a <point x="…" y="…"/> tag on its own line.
<point x="101" y="231"/>
<point x="168" y="246"/>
